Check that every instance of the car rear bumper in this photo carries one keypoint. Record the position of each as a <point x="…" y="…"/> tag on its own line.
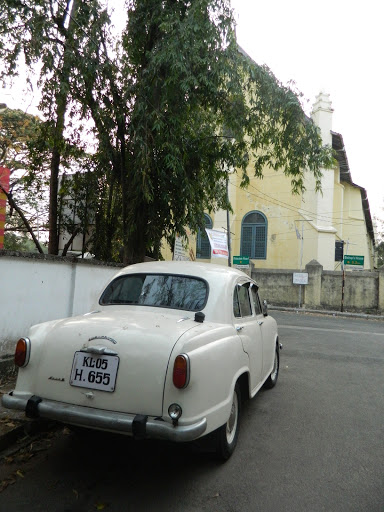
<point x="139" y="426"/>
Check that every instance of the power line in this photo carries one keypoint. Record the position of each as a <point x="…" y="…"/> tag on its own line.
<point x="325" y="217"/>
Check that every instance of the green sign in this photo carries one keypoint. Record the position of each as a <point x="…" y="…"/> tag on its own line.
<point x="354" y="260"/>
<point x="241" y="261"/>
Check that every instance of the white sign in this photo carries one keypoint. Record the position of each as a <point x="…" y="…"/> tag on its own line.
<point x="300" y="278"/>
<point x="181" y="250"/>
<point x="218" y="241"/>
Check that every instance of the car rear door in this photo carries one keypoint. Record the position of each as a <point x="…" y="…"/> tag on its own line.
<point x="266" y="330"/>
<point x="249" y="330"/>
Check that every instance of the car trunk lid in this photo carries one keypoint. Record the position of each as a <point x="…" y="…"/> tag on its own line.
<point x="116" y="359"/>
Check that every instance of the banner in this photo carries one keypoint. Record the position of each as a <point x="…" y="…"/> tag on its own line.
<point x="219" y="243"/>
<point x="4" y="182"/>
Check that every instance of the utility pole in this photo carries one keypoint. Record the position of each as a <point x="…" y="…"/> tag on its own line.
<point x="228" y="227"/>
<point x="343" y="281"/>
<point x="301" y="237"/>
<point x="301" y="258"/>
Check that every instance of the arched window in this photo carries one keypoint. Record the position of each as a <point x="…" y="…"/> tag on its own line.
<point x="254" y="236"/>
<point x="203" y="247"/>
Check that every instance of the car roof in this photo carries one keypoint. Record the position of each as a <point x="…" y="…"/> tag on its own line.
<point x="204" y="270"/>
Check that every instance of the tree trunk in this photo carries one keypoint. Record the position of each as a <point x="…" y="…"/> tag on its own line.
<point x="13" y="205"/>
<point x="136" y="233"/>
<point x="68" y="244"/>
<point x="61" y="107"/>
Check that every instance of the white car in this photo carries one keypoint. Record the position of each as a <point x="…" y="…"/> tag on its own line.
<point x="169" y="353"/>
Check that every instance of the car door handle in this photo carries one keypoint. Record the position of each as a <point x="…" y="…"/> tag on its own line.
<point x="239" y="328"/>
<point x="260" y="322"/>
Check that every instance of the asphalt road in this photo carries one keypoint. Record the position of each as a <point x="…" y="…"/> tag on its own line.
<point x="313" y="443"/>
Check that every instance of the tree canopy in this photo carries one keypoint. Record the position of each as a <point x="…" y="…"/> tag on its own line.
<point x="173" y="105"/>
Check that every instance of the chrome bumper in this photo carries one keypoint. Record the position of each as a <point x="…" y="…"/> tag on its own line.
<point x="139" y="426"/>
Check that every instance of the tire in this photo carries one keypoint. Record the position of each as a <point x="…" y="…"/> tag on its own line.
<point x="272" y="379"/>
<point x="226" y="436"/>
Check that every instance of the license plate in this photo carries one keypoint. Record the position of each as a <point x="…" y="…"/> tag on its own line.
<point x="94" y="371"/>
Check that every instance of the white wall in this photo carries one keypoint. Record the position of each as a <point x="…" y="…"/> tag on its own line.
<point x="34" y="290"/>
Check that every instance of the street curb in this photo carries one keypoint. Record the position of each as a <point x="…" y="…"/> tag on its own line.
<point x="346" y="314"/>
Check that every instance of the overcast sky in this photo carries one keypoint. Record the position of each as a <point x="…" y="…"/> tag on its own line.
<point x="333" y="45"/>
<point x="336" y="46"/>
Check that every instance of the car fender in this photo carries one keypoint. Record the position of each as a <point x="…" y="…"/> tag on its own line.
<point x="217" y="360"/>
<point x="37" y="333"/>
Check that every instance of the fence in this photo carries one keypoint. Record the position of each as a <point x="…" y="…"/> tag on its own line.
<point x="37" y="288"/>
<point x="358" y="291"/>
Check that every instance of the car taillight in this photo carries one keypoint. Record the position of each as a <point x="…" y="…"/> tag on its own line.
<point x="23" y="349"/>
<point x="181" y="371"/>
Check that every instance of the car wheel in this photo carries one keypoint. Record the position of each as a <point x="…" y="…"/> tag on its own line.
<point x="272" y="379"/>
<point x="226" y="436"/>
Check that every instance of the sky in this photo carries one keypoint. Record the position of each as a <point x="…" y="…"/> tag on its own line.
<point x="336" y="46"/>
<point x="333" y="45"/>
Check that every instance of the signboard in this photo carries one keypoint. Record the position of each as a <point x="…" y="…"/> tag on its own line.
<point x="354" y="260"/>
<point x="182" y="251"/>
<point x="218" y="241"/>
<point x="300" y="278"/>
<point x="241" y="261"/>
<point x="4" y="182"/>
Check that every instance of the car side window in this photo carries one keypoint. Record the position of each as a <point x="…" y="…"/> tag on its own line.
<point x="236" y="304"/>
<point x="256" y="300"/>
<point x="245" y="304"/>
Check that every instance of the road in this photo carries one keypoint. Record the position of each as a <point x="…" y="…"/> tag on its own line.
<point x="313" y="443"/>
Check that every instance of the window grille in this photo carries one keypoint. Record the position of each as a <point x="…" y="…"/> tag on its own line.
<point x="254" y="236"/>
<point x="203" y="247"/>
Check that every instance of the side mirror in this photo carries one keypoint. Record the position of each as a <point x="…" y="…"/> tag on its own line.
<point x="265" y="308"/>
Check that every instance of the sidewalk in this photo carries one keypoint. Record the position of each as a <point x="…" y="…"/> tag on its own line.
<point x="364" y="316"/>
<point x="13" y="424"/>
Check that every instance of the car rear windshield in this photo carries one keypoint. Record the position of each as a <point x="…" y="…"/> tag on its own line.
<point x="159" y="290"/>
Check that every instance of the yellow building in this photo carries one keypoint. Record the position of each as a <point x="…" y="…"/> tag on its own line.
<point x="279" y="230"/>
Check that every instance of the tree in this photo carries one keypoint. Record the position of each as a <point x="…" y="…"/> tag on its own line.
<point x="18" y="132"/>
<point x="380" y="254"/>
<point x="174" y="105"/>
<point x="197" y="106"/>
<point x="185" y="105"/>
<point x="49" y="33"/>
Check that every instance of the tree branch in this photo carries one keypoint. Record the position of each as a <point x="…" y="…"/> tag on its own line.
<point x="67" y="245"/>
<point x="13" y="205"/>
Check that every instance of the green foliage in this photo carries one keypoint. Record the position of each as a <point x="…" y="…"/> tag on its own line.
<point x="16" y="237"/>
<point x="27" y="195"/>
<point x="22" y="243"/>
<point x="196" y="107"/>
<point x="17" y="129"/>
<point x="174" y="105"/>
<point x="380" y="254"/>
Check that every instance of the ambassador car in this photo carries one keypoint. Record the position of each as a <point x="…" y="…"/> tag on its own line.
<point x="169" y="352"/>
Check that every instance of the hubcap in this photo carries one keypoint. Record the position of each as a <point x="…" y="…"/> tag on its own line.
<point x="232" y="421"/>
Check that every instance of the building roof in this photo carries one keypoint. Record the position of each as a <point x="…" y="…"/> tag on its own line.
<point x="345" y="175"/>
